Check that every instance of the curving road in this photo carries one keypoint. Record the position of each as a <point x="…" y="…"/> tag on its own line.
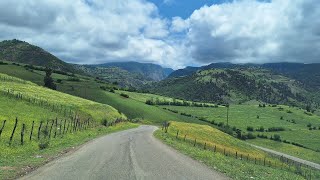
<point x="130" y="154"/>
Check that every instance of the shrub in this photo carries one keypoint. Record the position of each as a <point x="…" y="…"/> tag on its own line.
<point x="281" y="118"/>
<point x="124" y="95"/>
<point x="59" y="81"/>
<point x="75" y="79"/>
<point x="221" y="124"/>
<point x="273" y="129"/>
<point x="104" y="122"/>
<point x="249" y="128"/>
<point x="251" y="136"/>
<point x="261" y="129"/>
<point x="43" y="144"/>
<point x="112" y="91"/>
<point x="277" y="137"/>
<point x="288" y="111"/>
<point x="258" y="117"/>
<point x="309" y="125"/>
<point x="3" y="63"/>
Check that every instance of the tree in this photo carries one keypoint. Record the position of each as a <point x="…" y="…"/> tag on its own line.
<point x="48" y="81"/>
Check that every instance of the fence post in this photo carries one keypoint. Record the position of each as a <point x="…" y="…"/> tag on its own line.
<point x="264" y="161"/>
<point x="22" y="133"/>
<point x="195" y="141"/>
<point x="39" y="130"/>
<point x="255" y="160"/>
<point x="224" y="151"/>
<point x="177" y="134"/>
<point x="56" y="127"/>
<point x="248" y="157"/>
<point x="60" y="127"/>
<point x="205" y="144"/>
<point x="64" y="126"/>
<point x="14" y="129"/>
<point x="52" y="122"/>
<point x="31" y="132"/>
<point x="184" y="139"/>
<point x="3" y="124"/>
<point x="236" y="155"/>
<point x="215" y="148"/>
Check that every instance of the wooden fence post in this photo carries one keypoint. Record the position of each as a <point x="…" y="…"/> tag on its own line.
<point x="177" y="134"/>
<point x="195" y="141"/>
<point x="3" y="125"/>
<point x="56" y="127"/>
<point x="39" y="130"/>
<point x="264" y="161"/>
<point x="215" y="148"/>
<point x="236" y="155"/>
<point x="22" y="133"/>
<point x="64" y="126"/>
<point x="31" y="132"/>
<point x="60" y="127"/>
<point x="184" y="139"/>
<point x="205" y="144"/>
<point x="52" y="122"/>
<point x="14" y="129"/>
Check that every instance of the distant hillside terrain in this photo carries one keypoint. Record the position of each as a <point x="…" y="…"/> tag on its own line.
<point x="236" y="85"/>
<point x="149" y="70"/>
<point x="128" y="74"/>
<point x="23" y="52"/>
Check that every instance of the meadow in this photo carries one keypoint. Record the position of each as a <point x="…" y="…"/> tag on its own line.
<point x="295" y="122"/>
<point x="30" y="103"/>
<point x="233" y="167"/>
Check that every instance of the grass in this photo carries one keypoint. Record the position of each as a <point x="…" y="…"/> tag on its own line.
<point x="289" y="149"/>
<point x="234" y="168"/>
<point x="15" y="158"/>
<point x="242" y="116"/>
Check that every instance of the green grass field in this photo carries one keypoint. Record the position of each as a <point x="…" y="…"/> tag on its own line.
<point x="14" y="158"/>
<point x="242" y="116"/>
<point x="232" y="167"/>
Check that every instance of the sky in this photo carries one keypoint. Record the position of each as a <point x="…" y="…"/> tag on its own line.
<point x="171" y="33"/>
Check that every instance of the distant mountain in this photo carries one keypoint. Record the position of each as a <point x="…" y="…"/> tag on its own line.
<point x="149" y="70"/>
<point x="235" y="85"/>
<point x="23" y="52"/>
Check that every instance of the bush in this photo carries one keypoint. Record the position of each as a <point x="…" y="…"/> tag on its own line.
<point x="260" y="129"/>
<point x="124" y="95"/>
<point x="309" y="125"/>
<point x="249" y="128"/>
<point x="104" y="122"/>
<point x="59" y="81"/>
<point x="73" y="79"/>
<point x="3" y="63"/>
<point x="43" y="144"/>
<point x="112" y="91"/>
<point x="251" y="136"/>
<point x="273" y="129"/>
<point x="277" y="137"/>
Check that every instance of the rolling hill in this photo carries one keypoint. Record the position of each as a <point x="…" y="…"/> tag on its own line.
<point x="235" y="85"/>
<point x="25" y="53"/>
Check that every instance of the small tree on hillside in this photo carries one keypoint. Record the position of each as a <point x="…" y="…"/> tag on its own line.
<point x="48" y="81"/>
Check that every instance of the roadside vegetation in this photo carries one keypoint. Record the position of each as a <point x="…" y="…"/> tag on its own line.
<point x="232" y="164"/>
<point x="48" y="123"/>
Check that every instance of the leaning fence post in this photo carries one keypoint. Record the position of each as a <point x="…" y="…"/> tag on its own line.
<point x="22" y="133"/>
<point x="14" y="129"/>
<point x="39" y="130"/>
<point x="31" y="132"/>
<point x="52" y="122"/>
<point x="56" y="127"/>
<point x="3" y="124"/>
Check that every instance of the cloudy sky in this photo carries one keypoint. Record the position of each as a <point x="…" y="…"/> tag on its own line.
<point x="172" y="33"/>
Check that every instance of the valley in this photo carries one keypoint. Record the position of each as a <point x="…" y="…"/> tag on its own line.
<point x="226" y="108"/>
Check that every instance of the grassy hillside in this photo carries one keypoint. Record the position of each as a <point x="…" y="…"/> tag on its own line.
<point x="233" y="86"/>
<point x="90" y="88"/>
<point x="230" y="164"/>
<point x="30" y="103"/>
<point x="295" y="123"/>
<point x="23" y="52"/>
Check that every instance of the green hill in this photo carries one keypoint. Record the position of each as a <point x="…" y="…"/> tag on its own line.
<point x="23" y="52"/>
<point x="236" y="85"/>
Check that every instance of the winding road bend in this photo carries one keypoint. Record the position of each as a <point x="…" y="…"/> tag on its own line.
<point x="130" y="154"/>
